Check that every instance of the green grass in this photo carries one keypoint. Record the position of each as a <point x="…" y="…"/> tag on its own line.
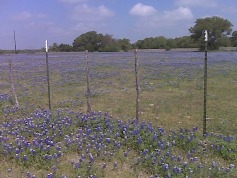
<point x="167" y="101"/>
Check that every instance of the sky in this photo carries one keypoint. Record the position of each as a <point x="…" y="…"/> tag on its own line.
<point x="61" y="21"/>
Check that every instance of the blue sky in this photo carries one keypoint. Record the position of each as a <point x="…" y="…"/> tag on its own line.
<point x="61" y="21"/>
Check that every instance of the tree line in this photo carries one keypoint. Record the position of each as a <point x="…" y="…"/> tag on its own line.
<point x="219" y="32"/>
<point x="93" y="41"/>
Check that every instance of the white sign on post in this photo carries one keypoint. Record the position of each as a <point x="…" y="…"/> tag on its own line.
<point x="206" y="35"/>
<point x="46" y="46"/>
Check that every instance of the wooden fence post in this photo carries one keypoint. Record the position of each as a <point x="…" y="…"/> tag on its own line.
<point x="205" y="87"/>
<point x="137" y="88"/>
<point x="88" y="90"/>
<point x="12" y="82"/>
<point x="47" y="65"/>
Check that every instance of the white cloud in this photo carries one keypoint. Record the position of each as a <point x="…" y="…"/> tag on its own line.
<point x="165" y="21"/>
<point x="181" y="13"/>
<point x="22" y="16"/>
<point x="202" y="3"/>
<point x="89" y="18"/>
<point x="91" y="14"/>
<point x="142" y="10"/>
<point x="167" y="18"/>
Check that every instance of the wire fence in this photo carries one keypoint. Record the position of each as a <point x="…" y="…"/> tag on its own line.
<point x="171" y="85"/>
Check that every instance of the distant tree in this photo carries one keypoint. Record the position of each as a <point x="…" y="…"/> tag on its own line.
<point x="171" y="43"/>
<point x="146" y="43"/>
<point x="151" y="43"/>
<point x="156" y="43"/>
<point x="106" y="40"/>
<point x="54" y="47"/>
<point x="124" y="44"/>
<point x="160" y="42"/>
<point x="65" y="48"/>
<point x="90" y="41"/>
<point x="93" y="41"/>
<point x="110" y="48"/>
<point x="108" y="44"/>
<point x="61" y="48"/>
<point x="224" y="41"/>
<point x="217" y="27"/>
<point x="138" y="44"/>
<point x="185" y="42"/>
<point x="234" y="39"/>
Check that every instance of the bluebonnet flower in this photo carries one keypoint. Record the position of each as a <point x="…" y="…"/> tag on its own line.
<point x="165" y="166"/>
<point x="91" y="158"/>
<point x="115" y="164"/>
<point x="200" y="165"/>
<point x="50" y="175"/>
<point x="77" y="165"/>
<point x="213" y="164"/>
<point x="169" y="175"/>
<point x="25" y="158"/>
<point x="54" y="168"/>
<point x="177" y="170"/>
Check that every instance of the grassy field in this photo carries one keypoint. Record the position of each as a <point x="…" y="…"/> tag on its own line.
<point x="167" y="142"/>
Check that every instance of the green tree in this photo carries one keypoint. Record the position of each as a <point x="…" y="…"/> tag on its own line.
<point x="152" y="43"/>
<point x="93" y="41"/>
<point x="234" y="39"/>
<point x="139" y="44"/>
<point x="224" y="41"/>
<point x="171" y="43"/>
<point x="90" y="41"/>
<point x="108" y="44"/>
<point x="161" y="42"/>
<point x="65" y="48"/>
<point x="54" y="47"/>
<point x="147" y="43"/>
<point x="61" y="48"/>
<point x="124" y="44"/>
<point x="217" y="27"/>
<point x="185" y="42"/>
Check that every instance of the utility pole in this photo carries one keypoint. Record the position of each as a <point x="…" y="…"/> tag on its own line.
<point x="15" y="41"/>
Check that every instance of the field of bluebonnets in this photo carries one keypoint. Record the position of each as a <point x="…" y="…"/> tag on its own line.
<point x="167" y="142"/>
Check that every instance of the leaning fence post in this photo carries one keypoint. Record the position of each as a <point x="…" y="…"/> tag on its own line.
<point x="137" y="88"/>
<point x="12" y="82"/>
<point x="47" y="64"/>
<point x="88" y="90"/>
